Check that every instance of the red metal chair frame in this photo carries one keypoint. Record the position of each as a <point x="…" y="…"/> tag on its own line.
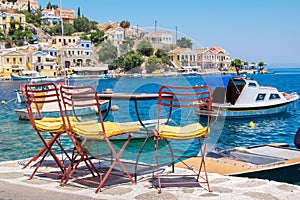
<point x="183" y="97"/>
<point x="44" y="93"/>
<point x="87" y="97"/>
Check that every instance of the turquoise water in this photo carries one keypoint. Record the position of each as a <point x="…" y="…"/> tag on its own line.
<point x="18" y="141"/>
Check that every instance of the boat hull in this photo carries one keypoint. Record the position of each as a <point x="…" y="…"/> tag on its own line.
<point x="287" y="174"/>
<point x="23" y="114"/>
<point x="241" y="112"/>
<point x="250" y="112"/>
<point x="25" y="78"/>
<point x="277" y="162"/>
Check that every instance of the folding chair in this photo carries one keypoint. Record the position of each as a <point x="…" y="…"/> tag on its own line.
<point x="90" y="127"/>
<point x="184" y="127"/>
<point x="40" y="98"/>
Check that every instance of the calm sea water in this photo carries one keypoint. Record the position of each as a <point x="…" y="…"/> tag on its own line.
<point x="18" y="141"/>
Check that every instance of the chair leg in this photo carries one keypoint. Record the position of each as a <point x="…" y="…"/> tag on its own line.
<point x="46" y="149"/>
<point x="203" y="165"/>
<point x="116" y="160"/>
<point x="83" y="157"/>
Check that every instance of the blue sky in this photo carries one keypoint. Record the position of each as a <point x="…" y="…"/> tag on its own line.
<point x="252" y="30"/>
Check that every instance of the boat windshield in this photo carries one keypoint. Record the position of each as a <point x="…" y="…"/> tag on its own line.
<point x="234" y="89"/>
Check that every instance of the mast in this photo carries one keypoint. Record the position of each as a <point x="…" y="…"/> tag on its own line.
<point x="62" y="40"/>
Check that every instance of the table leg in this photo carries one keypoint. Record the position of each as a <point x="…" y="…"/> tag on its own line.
<point x="145" y="141"/>
<point x="107" y="111"/>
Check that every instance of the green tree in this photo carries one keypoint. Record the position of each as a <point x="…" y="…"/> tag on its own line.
<point x="237" y="63"/>
<point x="261" y="64"/>
<point x="160" y="53"/>
<point x="133" y="61"/>
<point x="184" y="43"/>
<point x="84" y="36"/>
<point x="49" y="6"/>
<point x="33" y="18"/>
<point x="153" y="63"/>
<point x="145" y="48"/>
<point x="28" y="6"/>
<point x="107" y="53"/>
<point x="3" y="36"/>
<point x="78" y="12"/>
<point x="96" y="36"/>
<point x="125" y="24"/>
<point x="246" y="63"/>
<point x="82" y="24"/>
<point x="163" y="55"/>
<point x="68" y="29"/>
<point x="127" y="45"/>
<point x="22" y="35"/>
<point x="117" y="63"/>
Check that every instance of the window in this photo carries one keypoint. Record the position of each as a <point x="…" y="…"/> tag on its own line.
<point x="260" y="97"/>
<point x="274" y="96"/>
<point x="252" y="85"/>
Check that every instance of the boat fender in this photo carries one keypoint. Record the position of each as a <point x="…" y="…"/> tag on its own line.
<point x="297" y="139"/>
<point x="115" y="108"/>
<point x="252" y="124"/>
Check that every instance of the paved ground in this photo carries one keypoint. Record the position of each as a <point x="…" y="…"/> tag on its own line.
<point x="14" y="184"/>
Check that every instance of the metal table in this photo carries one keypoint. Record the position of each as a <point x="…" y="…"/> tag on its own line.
<point x="135" y="98"/>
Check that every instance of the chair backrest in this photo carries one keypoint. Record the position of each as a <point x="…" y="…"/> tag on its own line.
<point x="42" y="100"/>
<point x="82" y="103"/>
<point x="185" y="97"/>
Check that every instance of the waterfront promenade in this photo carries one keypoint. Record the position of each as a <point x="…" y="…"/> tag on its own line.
<point x="14" y="184"/>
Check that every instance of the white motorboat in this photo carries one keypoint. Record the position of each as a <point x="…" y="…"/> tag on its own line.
<point x="235" y="97"/>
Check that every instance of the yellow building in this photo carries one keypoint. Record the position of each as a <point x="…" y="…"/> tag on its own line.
<point x="7" y="20"/>
<point x="43" y="63"/>
<point x="13" y="62"/>
<point x="68" y="40"/>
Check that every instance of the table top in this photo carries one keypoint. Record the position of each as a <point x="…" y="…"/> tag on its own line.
<point x="129" y="96"/>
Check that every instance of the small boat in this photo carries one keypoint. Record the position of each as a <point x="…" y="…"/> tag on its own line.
<point x="188" y="72"/>
<point x="276" y="162"/>
<point x="236" y="97"/>
<point x="28" y="77"/>
<point x="52" y="111"/>
<point x="104" y="76"/>
<point x="76" y="76"/>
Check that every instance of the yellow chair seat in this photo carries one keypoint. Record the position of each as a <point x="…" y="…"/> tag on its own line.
<point x="93" y="129"/>
<point x="51" y="124"/>
<point x="190" y="131"/>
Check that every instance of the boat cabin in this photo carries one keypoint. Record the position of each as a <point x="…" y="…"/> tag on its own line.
<point x="239" y="91"/>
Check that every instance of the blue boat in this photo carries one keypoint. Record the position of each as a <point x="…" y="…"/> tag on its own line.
<point x="26" y="78"/>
